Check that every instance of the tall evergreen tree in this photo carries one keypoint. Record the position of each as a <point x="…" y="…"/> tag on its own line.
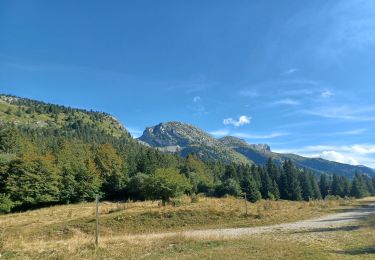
<point x="337" y="186"/>
<point x="346" y="187"/>
<point x="358" y="189"/>
<point x="272" y="170"/>
<point x="251" y="188"/>
<point x="266" y="185"/>
<point x="294" y="191"/>
<point x="306" y="185"/>
<point x="315" y="187"/>
<point x="324" y="185"/>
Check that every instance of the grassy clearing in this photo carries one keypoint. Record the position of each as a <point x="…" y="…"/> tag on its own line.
<point x="66" y="232"/>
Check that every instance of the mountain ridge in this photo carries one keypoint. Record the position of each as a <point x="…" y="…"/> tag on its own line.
<point x="188" y="139"/>
<point x="256" y="153"/>
<point x="169" y="137"/>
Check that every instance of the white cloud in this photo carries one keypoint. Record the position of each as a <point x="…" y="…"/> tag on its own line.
<point x="363" y="149"/>
<point x="220" y="133"/>
<point x="357" y="154"/>
<point x="196" y="99"/>
<point x="327" y="94"/>
<point x="338" y="157"/>
<point x="242" y="120"/>
<point x="289" y="72"/>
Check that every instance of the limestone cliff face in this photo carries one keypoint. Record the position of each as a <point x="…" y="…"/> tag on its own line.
<point x="184" y="139"/>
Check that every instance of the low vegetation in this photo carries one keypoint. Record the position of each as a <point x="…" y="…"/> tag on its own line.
<point x="67" y="232"/>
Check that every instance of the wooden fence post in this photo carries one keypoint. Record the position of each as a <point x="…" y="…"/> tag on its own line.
<point x="246" y="203"/>
<point x="97" y="220"/>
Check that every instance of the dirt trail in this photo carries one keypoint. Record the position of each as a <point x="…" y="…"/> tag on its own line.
<point x="325" y="222"/>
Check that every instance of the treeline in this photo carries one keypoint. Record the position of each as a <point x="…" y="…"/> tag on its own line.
<point x="40" y="167"/>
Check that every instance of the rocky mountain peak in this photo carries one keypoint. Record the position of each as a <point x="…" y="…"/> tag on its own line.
<point x="235" y="142"/>
<point x="173" y="134"/>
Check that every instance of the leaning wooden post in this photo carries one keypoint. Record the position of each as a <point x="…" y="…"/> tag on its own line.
<point x="246" y="203"/>
<point x="97" y="221"/>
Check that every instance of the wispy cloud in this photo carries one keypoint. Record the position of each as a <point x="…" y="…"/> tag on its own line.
<point x="259" y="136"/>
<point x="242" y="120"/>
<point x="189" y="86"/>
<point x="289" y="72"/>
<point x="344" y="112"/>
<point x="246" y="135"/>
<point x="353" y="132"/>
<point x="220" y="133"/>
<point x="352" y="29"/>
<point x="284" y="89"/>
<point x="249" y="93"/>
<point x="287" y="101"/>
<point x="196" y="99"/>
<point x="327" y="94"/>
<point x="357" y="154"/>
<point x="198" y="107"/>
<point x="135" y="132"/>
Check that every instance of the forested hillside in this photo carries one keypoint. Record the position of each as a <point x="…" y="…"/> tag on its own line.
<point x="185" y="139"/>
<point x="261" y="153"/>
<point x="52" y="154"/>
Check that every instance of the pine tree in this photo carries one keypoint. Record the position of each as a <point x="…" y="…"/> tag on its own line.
<point x="358" y="189"/>
<point x="324" y="185"/>
<point x="294" y="191"/>
<point x="306" y="185"/>
<point x="283" y="186"/>
<point x="315" y="187"/>
<point x="266" y="185"/>
<point x="272" y="170"/>
<point x="252" y="190"/>
<point x="346" y="187"/>
<point x="275" y="190"/>
<point x="337" y="186"/>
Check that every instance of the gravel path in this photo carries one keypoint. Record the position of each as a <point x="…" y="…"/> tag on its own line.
<point x="326" y="222"/>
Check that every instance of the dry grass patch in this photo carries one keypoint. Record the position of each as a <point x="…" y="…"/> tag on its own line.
<point x="67" y="232"/>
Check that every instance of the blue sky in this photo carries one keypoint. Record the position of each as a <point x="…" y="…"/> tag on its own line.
<point x="298" y="75"/>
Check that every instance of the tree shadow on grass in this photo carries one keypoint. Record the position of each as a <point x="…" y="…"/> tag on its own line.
<point x="330" y="229"/>
<point x="359" y="251"/>
<point x="359" y="208"/>
<point x="341" y="219"/>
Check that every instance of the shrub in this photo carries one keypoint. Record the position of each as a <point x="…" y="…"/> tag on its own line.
<point x="228" y="187"/>
<point x="194" y="198"/>
<point x="164" y="184"/>
<point x="6" y="204"/>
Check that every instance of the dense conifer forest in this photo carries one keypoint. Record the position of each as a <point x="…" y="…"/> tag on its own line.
<point x="52" y="154"/>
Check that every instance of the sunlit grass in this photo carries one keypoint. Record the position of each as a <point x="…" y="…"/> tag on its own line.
<point x="67" y="232"/>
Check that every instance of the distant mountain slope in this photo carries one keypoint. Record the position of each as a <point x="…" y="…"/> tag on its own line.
<point x="185" y="139"/>
<point x="30" y="114"/>
<point x="260" y="154"/>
